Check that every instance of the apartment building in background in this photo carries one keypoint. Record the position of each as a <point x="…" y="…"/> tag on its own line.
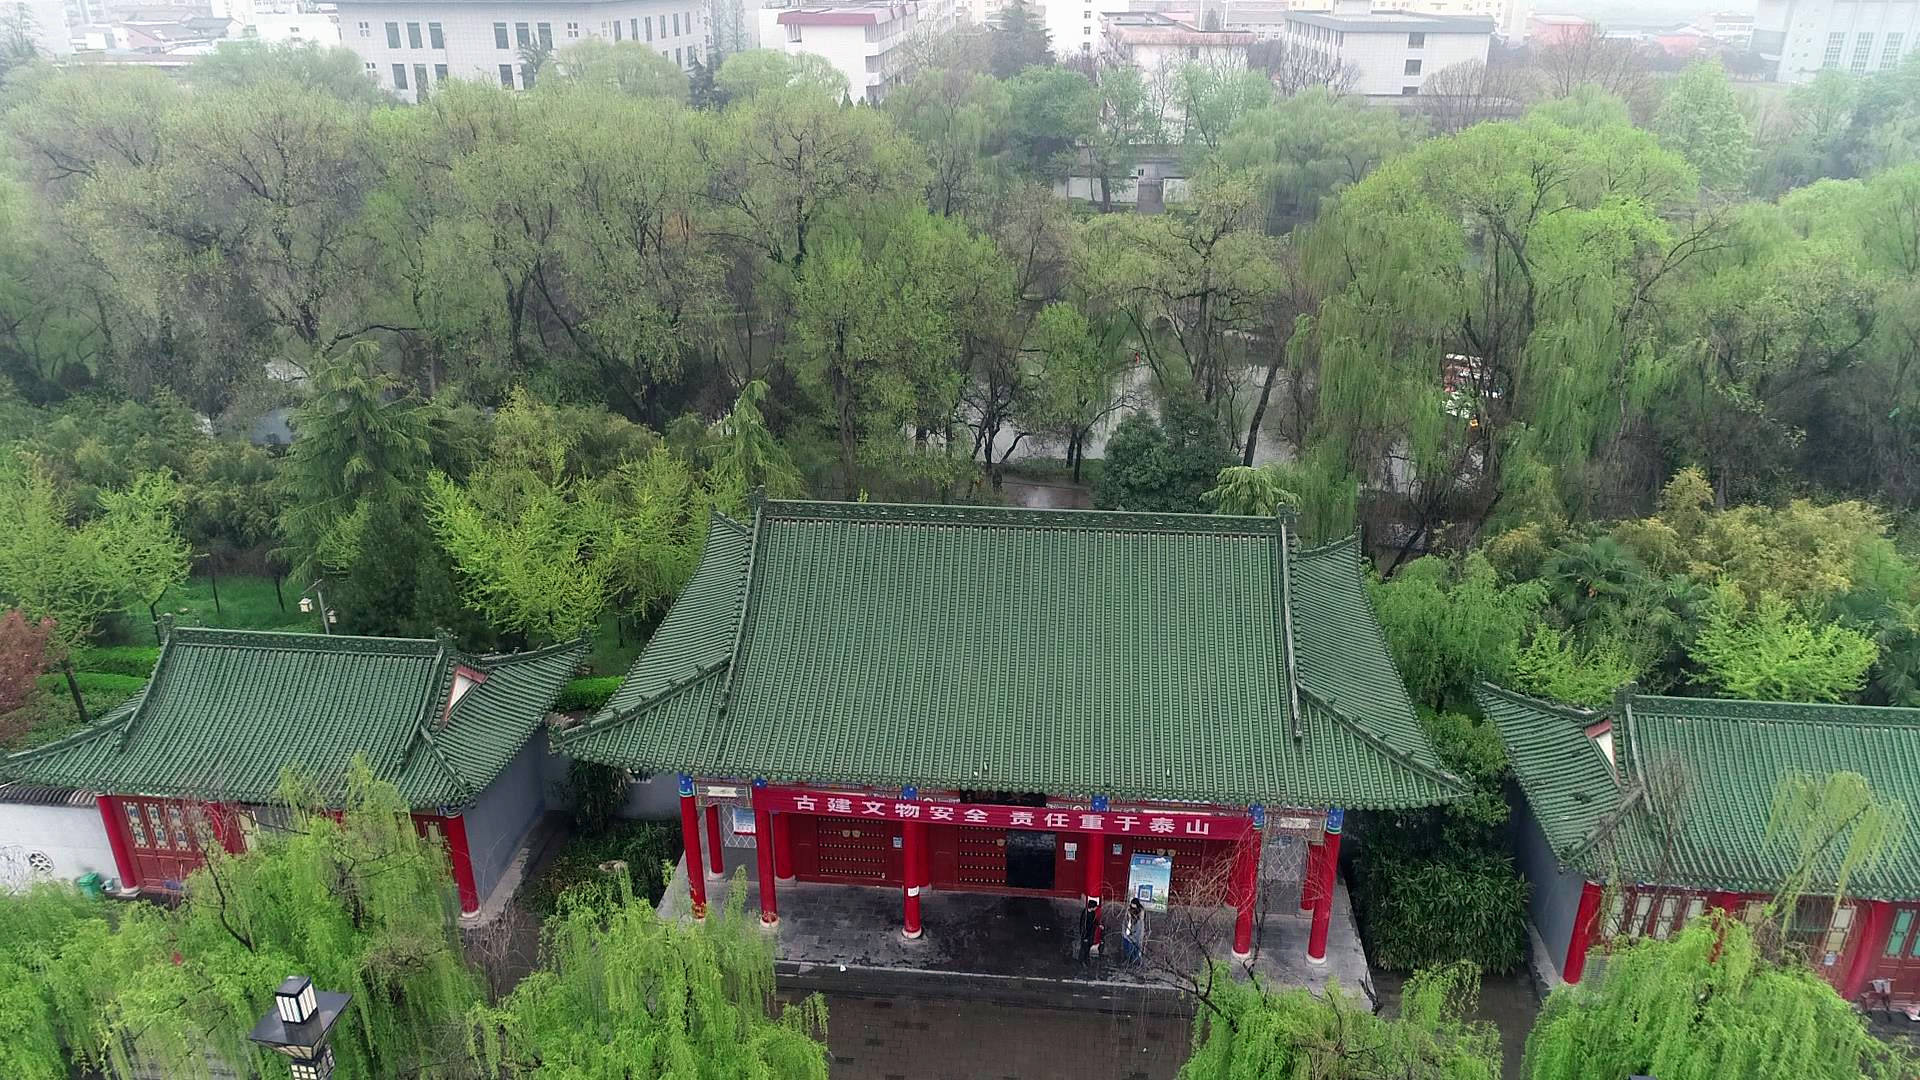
<point x="1858" y="37"/>
<point x="410" y="46"/>
<point x="868" y="42"/>
<point x="1390" y="52"/>
<point x="1154" y="42"/>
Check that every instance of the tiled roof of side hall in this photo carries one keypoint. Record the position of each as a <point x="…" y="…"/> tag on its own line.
<point x="1066" y="652"/>
<point x="1690" y="792"/>
<point x="227" y="710"/>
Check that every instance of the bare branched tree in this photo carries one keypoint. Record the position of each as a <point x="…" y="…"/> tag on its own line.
<point x="1587" y="57"/>
<point x="1294" y="68"/>
<point x="1457" y="97"/>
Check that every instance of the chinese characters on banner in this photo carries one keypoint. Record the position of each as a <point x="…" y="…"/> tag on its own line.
<point x="988" y="816"/>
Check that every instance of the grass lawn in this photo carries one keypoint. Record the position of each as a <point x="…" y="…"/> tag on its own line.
<point x="246" y="603"/>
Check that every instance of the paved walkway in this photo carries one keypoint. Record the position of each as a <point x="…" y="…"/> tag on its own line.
<point x="847" y="939"/>
<point x="935" y="1038"/>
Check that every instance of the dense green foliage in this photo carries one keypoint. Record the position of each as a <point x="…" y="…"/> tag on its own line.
<point x="1619" y="389"/>
<point x="362" y="904"/>
<point x="622" y="992"/>
<point x="586" y="694"/>
<point x="1170" y="464"/>
<point x="1701" y="1005"/>
<point x="1247" y="1031"/>
<point x="646" y="847"/>
<point x="367" y="905"/>
<point x="1436" y="886"/>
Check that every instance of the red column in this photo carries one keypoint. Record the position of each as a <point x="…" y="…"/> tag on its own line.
<point x="763" y="856"/>
<point x="1246" y="890"/>
<point x="114" y="819"/>
<point x="1310" y="878"/>
<point x="1096" y="869"/>
<point x="716" y="862"/>
<point x="1324" y="871"/>
<point x="913" y="859"/>
<point x="462" y="864"/>
<point x="690" y="844"/>
<point x="782" y="848"/>
<point x="1869" y="939"/>
<point x="1585" y="918"/>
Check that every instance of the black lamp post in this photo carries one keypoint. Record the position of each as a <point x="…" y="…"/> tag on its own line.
<point x="299" y="1025"/>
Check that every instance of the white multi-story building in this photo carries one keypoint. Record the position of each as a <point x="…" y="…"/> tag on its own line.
<point x="1073" y="26"/>
<point x="1391" y="52"/>
<point x="413" y="45"/>
<point x="52" y="37"/>
<point x="1733" y="27"/>
<point x="291" y="28"/>
<point x="1855" y="36"/>
<point x="1267" y="18"/>
<point x="1161" y="41"/>
<point x="867" y="42"/>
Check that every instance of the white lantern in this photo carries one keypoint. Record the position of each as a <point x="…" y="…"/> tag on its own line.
<point x="294" y="999"/>
<point x="306" y="605"/>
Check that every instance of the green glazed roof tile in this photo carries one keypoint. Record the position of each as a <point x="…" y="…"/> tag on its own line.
<point x="1695" y="784"/>
<point x="1068" y="652"/>
<point x="227" y="710"/>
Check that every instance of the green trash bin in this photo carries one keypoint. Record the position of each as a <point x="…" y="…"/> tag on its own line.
<point x="90" y="885"/>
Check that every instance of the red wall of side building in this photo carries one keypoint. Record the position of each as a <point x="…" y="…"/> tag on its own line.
<point x="1867" y="939"/>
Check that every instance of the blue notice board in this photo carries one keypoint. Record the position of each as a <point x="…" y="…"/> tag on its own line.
<point x="1148" y="879"/>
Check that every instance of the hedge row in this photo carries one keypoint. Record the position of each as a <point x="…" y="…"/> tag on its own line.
<point x="131" y="660"/>
<point x="587" y="695"/>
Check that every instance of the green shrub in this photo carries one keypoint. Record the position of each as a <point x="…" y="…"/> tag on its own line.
<point x="645" y="846"/>
<point x="133" y="660"/>
<point x="1426" y="913"/>
<point x="102" y="690"/>
<point x="588" y="694"/>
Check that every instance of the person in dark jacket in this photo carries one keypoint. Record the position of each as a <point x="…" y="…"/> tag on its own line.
<point x="1089" y="929"/>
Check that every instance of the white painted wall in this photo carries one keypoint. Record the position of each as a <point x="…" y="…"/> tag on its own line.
<point x="873" y="58"/>
<point x="284" y="28"/>
<point x="50" y="32"/>
<point x="1870" y="35"/>
<point x="1381" y="57"/>
<point x="1073" y="26"/>
<point x="471" y="51"/>
<point x="73" y="837"/>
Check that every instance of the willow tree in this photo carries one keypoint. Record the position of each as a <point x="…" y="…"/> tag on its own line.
<point x="1244" y="1031"/>
<point x="1487" y="312"/>
<point x="1701" y="1005"/>
<point x="622" y="992"/>
<point x="35" y="926"/>
<point x="362" y="904"/>
<point x="1835" y="826"/>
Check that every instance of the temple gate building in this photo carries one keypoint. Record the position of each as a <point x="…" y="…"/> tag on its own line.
<point x="1032" y="702"/>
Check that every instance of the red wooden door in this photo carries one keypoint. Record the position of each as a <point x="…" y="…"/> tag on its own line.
<point x="857" y="852"/>
<point x="1899" y="958"/>
<point x="166" y="838"/>
<point x="982" y="858"/>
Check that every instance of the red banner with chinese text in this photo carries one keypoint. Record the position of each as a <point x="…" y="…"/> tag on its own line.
<point x="1170" y="823"/>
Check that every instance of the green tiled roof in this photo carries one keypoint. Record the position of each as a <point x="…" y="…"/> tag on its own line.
<point x="1687" y="798"/>
<point x="1067" y="652"/>
<point x="227" y="710"/>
